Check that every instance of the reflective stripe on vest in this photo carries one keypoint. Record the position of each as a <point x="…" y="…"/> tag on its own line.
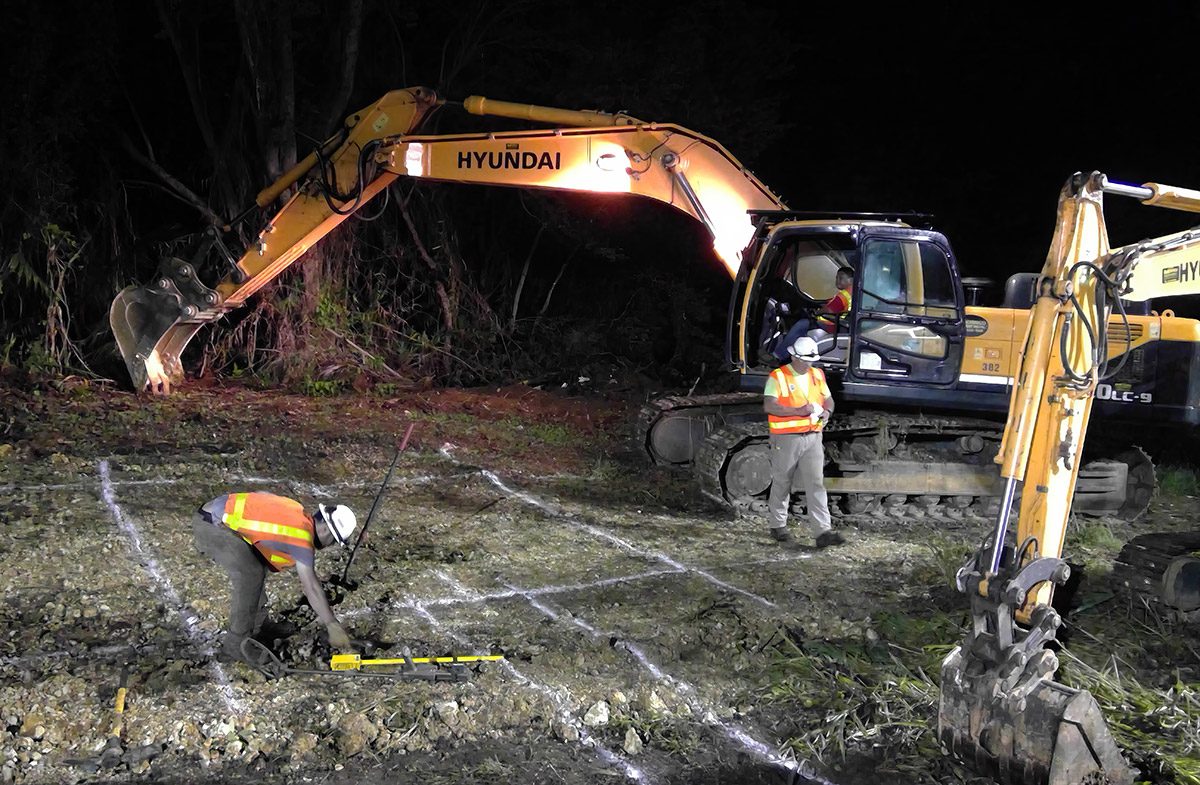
<point x="783" y="380"/>
<point x="294" y="530"/>
<point x="831" y="322"/>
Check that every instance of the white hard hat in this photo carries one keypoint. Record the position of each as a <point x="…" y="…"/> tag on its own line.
<point x="340" y="520"/>
<point x="805" y="349"/>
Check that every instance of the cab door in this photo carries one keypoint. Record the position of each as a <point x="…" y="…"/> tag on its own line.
<point x="907" y="312"/>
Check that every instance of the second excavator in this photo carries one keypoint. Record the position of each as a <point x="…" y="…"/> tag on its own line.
<point x="1001" y="710"/>
<point x="922" y="376"/>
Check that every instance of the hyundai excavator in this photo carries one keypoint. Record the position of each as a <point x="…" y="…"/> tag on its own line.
<point x="922" y="376"/>
<point x="1001" y="710"/>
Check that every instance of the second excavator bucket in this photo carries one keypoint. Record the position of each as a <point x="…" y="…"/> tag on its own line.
<point x="1001" y="711"/>
<point x="1050" y="735"/>
<point x="153" y="324"/>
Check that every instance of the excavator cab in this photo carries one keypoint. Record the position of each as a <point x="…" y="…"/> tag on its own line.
<point x="797" y="279"/>
<point x="906" y="321"/>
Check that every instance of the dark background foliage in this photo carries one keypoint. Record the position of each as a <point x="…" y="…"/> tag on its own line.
<point x="128" y="125"/>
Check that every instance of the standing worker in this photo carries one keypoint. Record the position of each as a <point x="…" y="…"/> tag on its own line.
<point x="250" y="533"/>
<point x="798" y="404"/>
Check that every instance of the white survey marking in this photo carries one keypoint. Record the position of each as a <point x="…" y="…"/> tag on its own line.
<point x="186" y="617"/>
<point x="700" y="707"/>
<point x="614" y="539"/>
<point x="564" y="712"/>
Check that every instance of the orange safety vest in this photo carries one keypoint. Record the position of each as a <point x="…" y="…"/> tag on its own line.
<point x="274" y="525"/>
<point x="790" y="394"/>
<point x="830" y="324"/>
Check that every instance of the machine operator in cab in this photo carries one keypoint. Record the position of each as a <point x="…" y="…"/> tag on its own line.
<point x="828" y="318"/>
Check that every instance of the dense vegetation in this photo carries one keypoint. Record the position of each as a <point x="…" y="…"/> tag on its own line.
<point x="136" y="125"/>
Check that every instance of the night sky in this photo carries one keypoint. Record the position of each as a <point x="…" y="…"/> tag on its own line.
<point x="979" y="112"/>
<point x="974" y="112"/>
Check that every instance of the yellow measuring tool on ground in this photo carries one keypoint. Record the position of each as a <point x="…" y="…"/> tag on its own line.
<point x="353" y="662"/>
<point x="451" y="668"/>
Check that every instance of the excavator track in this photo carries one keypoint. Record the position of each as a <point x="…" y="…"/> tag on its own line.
<point x="1160" y="572"/>
<point x="669" y="430"/>
<point x="732" y="467"/>
<point x="883" y="467"/>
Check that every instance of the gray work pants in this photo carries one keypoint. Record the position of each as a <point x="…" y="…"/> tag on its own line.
<point x="247" y="580"/>
<point x="799" y="456"/>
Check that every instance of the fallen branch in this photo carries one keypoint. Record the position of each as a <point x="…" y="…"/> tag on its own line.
<point x="395" y="374"/>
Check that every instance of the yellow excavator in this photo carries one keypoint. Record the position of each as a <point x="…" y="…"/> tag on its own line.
<point x="916" y="370"/>
<point x="1001" y="711"/>
<point x="922" y="374"/>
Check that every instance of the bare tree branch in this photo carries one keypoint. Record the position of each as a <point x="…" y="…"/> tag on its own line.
<point x="512" y="320"/>
<point x="286" y="82"/>
<point x="187" y="66"/>
<point x="175" y="186"/>
<point x="443" y="295"/>
<point x="549" y="294"/>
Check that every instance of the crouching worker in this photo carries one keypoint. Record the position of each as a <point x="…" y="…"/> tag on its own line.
<point x="250" y="533"/>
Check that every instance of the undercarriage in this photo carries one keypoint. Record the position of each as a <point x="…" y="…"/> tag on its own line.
<point x="878" y="463"/>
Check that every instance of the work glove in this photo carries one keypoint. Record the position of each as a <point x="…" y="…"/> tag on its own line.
<point x="817" y="411"/>
<point x="338" y="638"/>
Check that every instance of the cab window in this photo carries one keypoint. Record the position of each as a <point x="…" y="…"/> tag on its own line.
<point x="907" y="277"/>
<point x="814" y="268"/>
<point x="908" y="338"/>
<point x="809" y="265"/>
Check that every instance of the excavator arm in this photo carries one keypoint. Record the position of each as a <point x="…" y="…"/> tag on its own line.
<point x="1000" y="709"/>
<point x="153" y="324"/>
<point x="586" y="151"/>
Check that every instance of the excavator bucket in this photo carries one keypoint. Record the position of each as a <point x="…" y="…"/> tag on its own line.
<point x="1043" y="734"/>
<point x="151" y="326"/>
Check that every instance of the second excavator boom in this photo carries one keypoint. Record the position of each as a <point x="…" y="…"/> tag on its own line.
<point x="1001" y="710"/>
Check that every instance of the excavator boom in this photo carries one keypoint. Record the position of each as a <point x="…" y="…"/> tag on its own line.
<point x="587" y="151"/>
<point x="1000" y="709"/>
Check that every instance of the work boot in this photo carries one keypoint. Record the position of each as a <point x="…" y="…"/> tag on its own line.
<point x="829" y="538"/>
<point x="781" y="534"/>
<point x="231" y="649"/>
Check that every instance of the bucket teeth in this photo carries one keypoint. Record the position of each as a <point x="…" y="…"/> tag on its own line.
<point x="1042" y="733"/>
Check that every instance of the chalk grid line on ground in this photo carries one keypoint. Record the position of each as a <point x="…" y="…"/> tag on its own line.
<point x="149" y="562"/>
<point x="700" y="708"/>
<point x="561" y="703"/>
<point x="733" y="732"/>
<point x="708" y="714"/>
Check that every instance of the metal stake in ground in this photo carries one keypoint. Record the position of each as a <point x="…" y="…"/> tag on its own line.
<point x="345" y="581"/>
